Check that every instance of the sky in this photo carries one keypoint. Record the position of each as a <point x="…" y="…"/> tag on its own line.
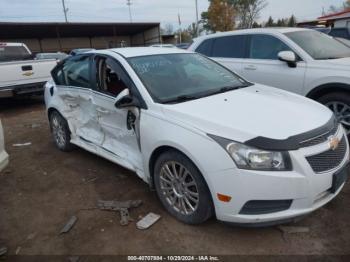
<point x="164" y="11"/>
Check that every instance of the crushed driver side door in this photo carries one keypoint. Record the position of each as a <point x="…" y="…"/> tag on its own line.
<point x="119" y="126"/>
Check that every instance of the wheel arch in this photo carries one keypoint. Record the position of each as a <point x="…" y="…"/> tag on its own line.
<point x="324" y="89"/>
<point x="160" y="150"/>
<point x="50" y="110"/>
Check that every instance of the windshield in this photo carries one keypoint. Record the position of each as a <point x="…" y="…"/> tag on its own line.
<point x="318" y="45"/>
<point x="179" y="77"/>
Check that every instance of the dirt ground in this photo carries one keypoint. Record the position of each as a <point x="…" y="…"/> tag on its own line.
<point x="43" y="187"/>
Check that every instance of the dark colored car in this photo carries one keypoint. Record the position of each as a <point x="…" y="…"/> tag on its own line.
<point x="342" y="32"/>
<point x="79" y="51"/>
<point x="183" y="45"/>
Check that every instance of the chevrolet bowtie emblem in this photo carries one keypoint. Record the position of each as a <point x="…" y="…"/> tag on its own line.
<point x="333" y="142"/>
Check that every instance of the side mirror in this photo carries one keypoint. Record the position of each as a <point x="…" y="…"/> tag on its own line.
<point x="124" y="99"/>
<point x="289" y="57"/>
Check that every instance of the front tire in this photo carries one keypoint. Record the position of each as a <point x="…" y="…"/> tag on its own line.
<point x="339" y="103"/>
<point x="182" y="189"/>
<point x="60" y="131"/>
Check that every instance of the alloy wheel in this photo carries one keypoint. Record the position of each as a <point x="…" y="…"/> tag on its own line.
<point x="342" y="113"/>
<point x="179" y="188"/>
<point x="58" y="131"/>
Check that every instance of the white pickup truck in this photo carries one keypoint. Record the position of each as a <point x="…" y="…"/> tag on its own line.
<point x="20" y="74"/>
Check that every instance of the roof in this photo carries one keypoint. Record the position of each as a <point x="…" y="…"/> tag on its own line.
<point x="11" y="30"/>
<point x="144" y="51"/>
<point x="339" y="15"/>
<point x="255" y="30"/>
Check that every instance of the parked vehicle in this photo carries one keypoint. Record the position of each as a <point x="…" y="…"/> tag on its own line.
<point x="164" y="45"/>
<point x="4" y="158"/>
<point x="344" y="41"/>
<point x="324" y="30"/>
<point x="183" y="45"/>
<point x="79" y="51"/>
<point x="58" y="56"/>
<point x="207" y="140"/>
<point x="340" y="32"/>
<point x="20" y="74"/>
<point x="298" y="60"/>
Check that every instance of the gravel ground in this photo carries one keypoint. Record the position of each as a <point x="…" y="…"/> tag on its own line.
<point x="43" y="187"/>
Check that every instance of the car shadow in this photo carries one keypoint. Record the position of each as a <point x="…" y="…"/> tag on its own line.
<point x="19" y="104"/>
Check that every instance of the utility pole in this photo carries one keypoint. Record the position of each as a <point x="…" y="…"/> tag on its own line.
<point x="197" y="24"/>
<point x="128" y="2"/>
<point x="180" y="30"/>
<point x="65" y="10"/>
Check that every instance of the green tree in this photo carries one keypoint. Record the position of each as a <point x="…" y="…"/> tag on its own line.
<point x="292" y="21"/>
<point x="256" y="25"/>
<point x="270" y="22"/>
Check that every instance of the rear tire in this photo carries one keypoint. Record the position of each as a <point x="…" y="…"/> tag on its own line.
<point x="339" y="103"/>
<point x="182" y="189"/>
<point x="60" y="131"/>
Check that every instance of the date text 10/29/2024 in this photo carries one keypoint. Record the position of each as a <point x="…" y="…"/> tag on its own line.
<point x="173" y="258"/>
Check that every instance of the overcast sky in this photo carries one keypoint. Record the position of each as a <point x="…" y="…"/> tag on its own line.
<point x="163" y="11"/>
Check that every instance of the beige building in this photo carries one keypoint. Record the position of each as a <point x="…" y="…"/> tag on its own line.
<point x="53" y="37"/>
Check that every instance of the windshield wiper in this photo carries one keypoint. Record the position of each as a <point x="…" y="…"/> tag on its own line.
<point x="180" y="99"/>
<point x="184" y="98"/>
<point x="228" y="88"/>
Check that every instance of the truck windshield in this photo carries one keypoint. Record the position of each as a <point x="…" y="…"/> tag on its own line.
<point x="13" y="53"/>
<point x="318" y="45"/>
<point x="176" y="78"/>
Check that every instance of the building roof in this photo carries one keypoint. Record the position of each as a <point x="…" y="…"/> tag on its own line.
<point x="339" y="15"/>
<point x="11" y="30"/>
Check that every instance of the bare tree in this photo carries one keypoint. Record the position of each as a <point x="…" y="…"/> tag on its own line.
<point x="168" y="29"/>
<point x="249" y="11"/>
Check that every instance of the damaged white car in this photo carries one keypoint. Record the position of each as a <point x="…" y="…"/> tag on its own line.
<point x="208" y="141"/>
<point x="4" y="158"/>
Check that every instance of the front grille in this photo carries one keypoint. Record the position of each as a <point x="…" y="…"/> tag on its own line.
<point x="328" y="160"/>
<point x="259" y="207"/>
<point x="319" y="139"/>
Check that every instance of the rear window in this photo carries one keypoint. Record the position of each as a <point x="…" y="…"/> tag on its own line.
<point x="13" y="53"/>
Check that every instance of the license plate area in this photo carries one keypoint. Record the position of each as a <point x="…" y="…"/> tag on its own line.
<point x="339" y="178"/>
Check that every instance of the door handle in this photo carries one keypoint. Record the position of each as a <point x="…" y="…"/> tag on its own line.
<point x="103" y="111"/>
<point x="27" y="68"/>
<point x="250" y="67"/>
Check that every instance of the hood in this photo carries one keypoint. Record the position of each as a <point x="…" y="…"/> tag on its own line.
<point x="341" y="63"/>
<point x="250" y="112"/>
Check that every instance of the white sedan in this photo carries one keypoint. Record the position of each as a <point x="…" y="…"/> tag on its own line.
<point x="3" y="155"/>
<point x="209" y="142"/>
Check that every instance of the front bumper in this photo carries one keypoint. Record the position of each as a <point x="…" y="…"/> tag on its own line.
<point x="307" y="190"/>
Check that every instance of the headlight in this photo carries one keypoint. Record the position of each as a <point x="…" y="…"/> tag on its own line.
<point x="251" y="158"/>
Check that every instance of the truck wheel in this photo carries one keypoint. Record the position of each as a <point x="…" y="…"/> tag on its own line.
<point x="339" y="103"/>
<point x="181" y="188"/>
<point x="60" y="132"/>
